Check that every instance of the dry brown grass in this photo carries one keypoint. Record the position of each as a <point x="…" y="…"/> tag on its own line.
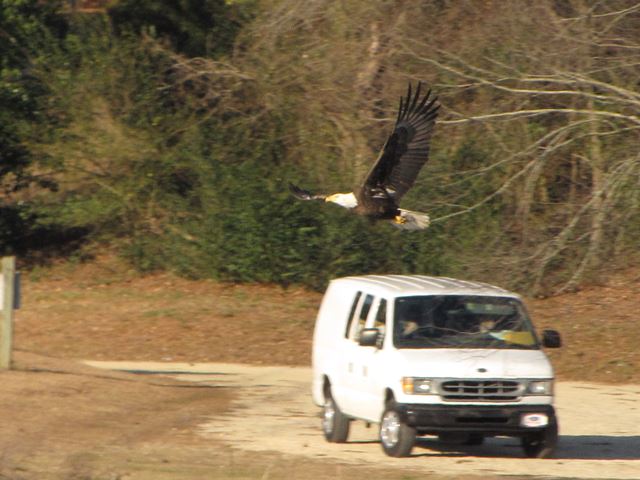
<point x="103" y="310"/>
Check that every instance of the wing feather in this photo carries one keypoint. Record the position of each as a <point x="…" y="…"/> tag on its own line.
<point x="415" y="98"/>
<point x="407" y="149"/>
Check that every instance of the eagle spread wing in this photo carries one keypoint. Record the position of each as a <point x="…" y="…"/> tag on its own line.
<point x="301" y="194"/>
<point x="407" y="148"/>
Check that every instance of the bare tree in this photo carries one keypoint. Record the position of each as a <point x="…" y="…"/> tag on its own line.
<point x="579" y="91"/>
<point x="549" y="88"/>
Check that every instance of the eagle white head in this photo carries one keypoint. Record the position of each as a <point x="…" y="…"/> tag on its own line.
<point x="346" y="200"/>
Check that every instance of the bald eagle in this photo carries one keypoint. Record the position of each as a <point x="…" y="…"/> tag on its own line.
<point x="394" y="172"/>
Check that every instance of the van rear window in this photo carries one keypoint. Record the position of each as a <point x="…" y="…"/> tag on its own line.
<point x="368" y="301"/>
<point x="364" y="313"/>
<point x="351" y="314"/>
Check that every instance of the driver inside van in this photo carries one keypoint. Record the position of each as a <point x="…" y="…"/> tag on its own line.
<point x="411" y="321"/>
<point x="409" y="327"/>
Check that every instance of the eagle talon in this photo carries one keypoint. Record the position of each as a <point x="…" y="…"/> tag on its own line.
<point x="399" y="219"/>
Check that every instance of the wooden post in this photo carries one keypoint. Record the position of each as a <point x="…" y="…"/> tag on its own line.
<point x="6" y="328"/>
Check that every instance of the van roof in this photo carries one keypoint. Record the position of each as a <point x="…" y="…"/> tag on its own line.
<point x="402" y="285"/>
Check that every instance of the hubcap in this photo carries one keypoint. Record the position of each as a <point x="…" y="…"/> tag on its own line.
<point x="390" y="429"/>
<point x="328" y="416"/>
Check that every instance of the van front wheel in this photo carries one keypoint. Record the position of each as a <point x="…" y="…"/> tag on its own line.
<point x="335" y="424"/>
<point x="541" y="444"/>
<point x="396" y="437"/>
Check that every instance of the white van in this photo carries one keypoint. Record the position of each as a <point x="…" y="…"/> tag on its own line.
<point x="432" y="356"/>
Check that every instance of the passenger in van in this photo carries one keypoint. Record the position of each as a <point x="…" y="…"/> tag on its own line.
<point x="486" y="323"/>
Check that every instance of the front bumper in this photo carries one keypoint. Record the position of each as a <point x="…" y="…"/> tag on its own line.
<point x="490" y="420"/>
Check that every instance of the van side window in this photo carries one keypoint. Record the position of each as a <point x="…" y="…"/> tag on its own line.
<point x="364" y="312"/>
<point x="352" y="314"/>
<point x="380" y="321"/>
<point x="381" y="315"/>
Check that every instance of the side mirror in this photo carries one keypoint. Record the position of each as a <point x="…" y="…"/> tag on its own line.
<point x="551" y="339"/>
<point x="369" y="337"/>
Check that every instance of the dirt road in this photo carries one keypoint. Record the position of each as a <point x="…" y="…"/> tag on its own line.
<point x="272" y="411"/>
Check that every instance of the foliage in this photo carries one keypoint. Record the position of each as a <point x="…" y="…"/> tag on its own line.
<point x="193" y="27"/>
<point x="171" y="130"/>
<point x="28" y="29"/>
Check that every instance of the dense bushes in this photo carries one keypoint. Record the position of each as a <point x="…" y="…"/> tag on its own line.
<point x="171" y="137"/>
<point x="27" y="29"/>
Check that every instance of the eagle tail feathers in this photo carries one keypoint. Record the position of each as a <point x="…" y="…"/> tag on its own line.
<point x="409" y="220"/>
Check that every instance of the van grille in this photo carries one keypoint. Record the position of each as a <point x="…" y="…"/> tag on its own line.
<point x="482" y="390"/>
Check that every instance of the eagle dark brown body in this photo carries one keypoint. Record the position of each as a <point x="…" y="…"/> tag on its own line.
<point x="394" y="172"/>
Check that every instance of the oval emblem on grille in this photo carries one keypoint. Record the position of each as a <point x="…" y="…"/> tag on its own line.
<point x="482" y="370"/>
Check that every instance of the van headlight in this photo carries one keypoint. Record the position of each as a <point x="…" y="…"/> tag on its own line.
<point x="540" y="387"/>
<point x="418" y="386"/>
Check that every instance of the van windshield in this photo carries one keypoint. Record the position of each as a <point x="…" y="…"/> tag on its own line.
<point x="462" y="321"/>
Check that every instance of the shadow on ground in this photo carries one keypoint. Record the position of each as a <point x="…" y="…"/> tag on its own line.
<point x="570" y="447"/>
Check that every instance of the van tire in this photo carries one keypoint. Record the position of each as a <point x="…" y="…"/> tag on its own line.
<point x="474" y="439"/>
<point x="396" y="437"/>
<point x="461" y="438"/>
<point x="541" y="444"/>
<point x="335" y="424"/>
